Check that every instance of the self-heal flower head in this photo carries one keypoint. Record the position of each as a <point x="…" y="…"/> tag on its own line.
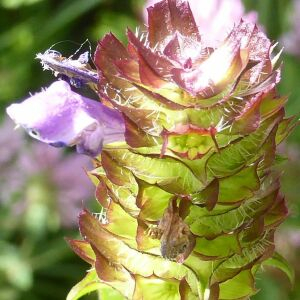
<point x="60" y="117"/>
<point x="195" y="183"/>
<point x="202" y="125"/>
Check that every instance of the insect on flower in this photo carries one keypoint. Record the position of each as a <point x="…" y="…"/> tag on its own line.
<point x="77" y="72"/>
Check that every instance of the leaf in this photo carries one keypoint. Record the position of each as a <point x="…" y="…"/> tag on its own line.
<point x="285" y="128"/>
<point x="149" y="288"/>
<point x="277" y="213"/>
<point x="136" y="137"/>
<point x="92" y="283"/>
<point x="119" y="184"/>
<point x="239" y="186"/>
<point x="88" y="284"/>
<point x="253" y="231"/>
<point x="106" y="292"/>
<point x="238" y="287"/>
<point x="116" y="218"/>
<point x="83" y="249"/>
<point x="118" y="253"/>
<point x="115" y="173"/>
<point x="153" y="201"/>
<point x="202" y="269"/>
<point x="208" y="197"/>
<point x="279" y="262"/>
<point x="114" y="275"/>
<point x="210" y="225"/>
<point x="249" y="119"/>
<point x="126" y="196"/>
<point x="219" y="247"/>
<point x="241" y="152"/>
<point x="145" y="241"/>
<point x="271" y="105"/>
<point x="249" y="255"/>
<point x="210" y="116"/>
<point x="170" y="174"/>
<point x="185" y="291"/>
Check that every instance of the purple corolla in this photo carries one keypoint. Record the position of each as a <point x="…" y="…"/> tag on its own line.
<point x="60" y="117"/>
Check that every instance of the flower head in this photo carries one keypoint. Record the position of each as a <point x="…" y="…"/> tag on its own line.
<point x="202" y="125"/>
<point x="60" y="117"/>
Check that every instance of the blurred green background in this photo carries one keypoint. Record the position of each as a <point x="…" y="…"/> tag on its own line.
<point x="35" y="261"/>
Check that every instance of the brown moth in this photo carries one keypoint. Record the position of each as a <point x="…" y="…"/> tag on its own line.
<point x="177" y="241"/>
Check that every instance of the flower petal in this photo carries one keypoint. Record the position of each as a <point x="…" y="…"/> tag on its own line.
<point x="60" y="117"/>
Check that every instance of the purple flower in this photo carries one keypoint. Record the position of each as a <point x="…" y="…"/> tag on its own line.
<point x="60" y="117"/>
<point x="215" y="18"/>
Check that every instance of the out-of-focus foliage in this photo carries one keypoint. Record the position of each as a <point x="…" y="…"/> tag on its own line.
<point x="41" y="192"/>
<point x="37" y="264"/>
